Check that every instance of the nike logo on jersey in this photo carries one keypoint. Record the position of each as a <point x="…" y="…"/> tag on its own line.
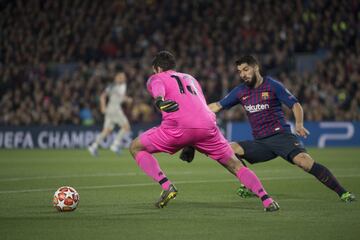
<point x="244" y="98"/>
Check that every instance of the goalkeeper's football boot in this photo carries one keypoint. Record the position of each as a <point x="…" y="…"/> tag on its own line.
<point x="244" y="192"/>
<point x="93" y="151"/>
<point x="273" y="207"/>
<point x="348" y="197"/>
<point x="166" y="196"/>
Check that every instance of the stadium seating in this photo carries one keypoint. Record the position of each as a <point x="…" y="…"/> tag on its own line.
<point x="57" y="56"/>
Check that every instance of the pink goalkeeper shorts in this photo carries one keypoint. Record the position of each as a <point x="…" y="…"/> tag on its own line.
<point x="170" y="140"/>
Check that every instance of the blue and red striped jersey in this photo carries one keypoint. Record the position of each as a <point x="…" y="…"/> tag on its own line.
<point x="263" y="106"/>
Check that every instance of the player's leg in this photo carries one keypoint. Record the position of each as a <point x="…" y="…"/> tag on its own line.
<point x="124" y="130"/>
<point x="188" y="153"/>
<point x="249" y="179"/>
<point x="253" y="152"/>
<point x="216" y="147"/>
<point x="141" y="148"/>
<point x="290" y="148"/>
<point x="107" y="129"/>
<point x="323" y="174"/>
<point x="148" y="163"/>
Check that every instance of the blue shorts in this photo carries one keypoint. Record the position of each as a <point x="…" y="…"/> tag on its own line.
<point x="285" y="145"/>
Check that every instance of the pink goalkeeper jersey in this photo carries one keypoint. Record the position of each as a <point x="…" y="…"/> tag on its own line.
<point x="186" y="91"/>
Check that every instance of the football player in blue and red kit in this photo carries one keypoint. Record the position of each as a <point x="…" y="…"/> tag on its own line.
<point x="262" y="98"/>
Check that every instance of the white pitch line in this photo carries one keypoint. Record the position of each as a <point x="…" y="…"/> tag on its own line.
<point x="152" y="183"/>
<point x="83" y="176"/>
<point x="120" y="174"/>
<point x="13" y="179"/>
<point x="66" y="176"/>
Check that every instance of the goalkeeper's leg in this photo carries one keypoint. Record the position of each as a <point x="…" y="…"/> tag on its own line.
<point x="152" y="141"/>
<point x="254" y="152"/>
<point x="148" y="164"/>
<point x="216" y="147"/>
<point x="249" y="179"/>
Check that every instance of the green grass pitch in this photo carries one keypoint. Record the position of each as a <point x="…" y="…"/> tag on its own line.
<point x="116" y="198"/>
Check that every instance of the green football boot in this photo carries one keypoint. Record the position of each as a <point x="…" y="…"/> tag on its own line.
<point x="348" y="197"/>
<point x="244" y="192"/>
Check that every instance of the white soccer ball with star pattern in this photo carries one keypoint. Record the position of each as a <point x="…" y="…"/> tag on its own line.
<point x="66" y="199"/>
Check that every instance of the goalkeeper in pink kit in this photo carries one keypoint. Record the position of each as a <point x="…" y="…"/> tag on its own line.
<point x="186" y="121"/>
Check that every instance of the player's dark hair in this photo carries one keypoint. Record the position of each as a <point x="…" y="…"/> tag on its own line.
<point x="249" y="59"/>
<point x="164" y="60"/>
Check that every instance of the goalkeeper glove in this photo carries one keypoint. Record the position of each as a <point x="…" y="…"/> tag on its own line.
<point x="187" y="154"/>
<point x="166" y="105"/>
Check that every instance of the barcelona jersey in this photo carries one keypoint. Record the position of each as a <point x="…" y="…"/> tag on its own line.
<point x="262" y="106"/>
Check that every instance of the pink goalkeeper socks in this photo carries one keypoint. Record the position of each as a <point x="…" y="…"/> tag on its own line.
<point x="151" y="167"/>
<point x="252" y="182"/>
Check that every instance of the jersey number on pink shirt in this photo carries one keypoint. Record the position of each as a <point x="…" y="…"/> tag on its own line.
<point x="181" y="86"/>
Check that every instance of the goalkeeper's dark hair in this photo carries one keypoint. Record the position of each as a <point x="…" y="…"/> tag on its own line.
<point x="165" y="60"/>
<point x="249" y="59"/>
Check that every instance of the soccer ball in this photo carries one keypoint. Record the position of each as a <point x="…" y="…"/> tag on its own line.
<point x="66" y="199"/>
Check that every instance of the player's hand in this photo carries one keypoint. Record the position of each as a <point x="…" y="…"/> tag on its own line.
<point x="166" y="105"/>
<point x="103" y="110"/>
<point x="215" y="107"/>
<point x="187" y="154"/>
<point x="301" y="131"/>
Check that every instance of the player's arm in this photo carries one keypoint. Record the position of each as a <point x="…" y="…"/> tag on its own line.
<point x="157" y="89"/>
<point x="103" y="102"/>
<point x="299" y="120"/>
<point x="166" y="105"/>
<point x="227" y="102"/>
<point x="291" y="102"/>
<point x="126" y="99"/>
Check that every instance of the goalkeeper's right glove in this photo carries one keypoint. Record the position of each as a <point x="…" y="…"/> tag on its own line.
<point x="166" y="105"/>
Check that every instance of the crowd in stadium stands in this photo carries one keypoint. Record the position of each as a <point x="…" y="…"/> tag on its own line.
<point x="56" y="57"/>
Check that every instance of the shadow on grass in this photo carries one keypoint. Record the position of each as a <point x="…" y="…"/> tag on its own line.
<point x="180" y="208"/>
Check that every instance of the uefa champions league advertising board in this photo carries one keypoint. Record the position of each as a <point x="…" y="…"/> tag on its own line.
<point x="322" y="134"/>
<point x="64" y="137"/>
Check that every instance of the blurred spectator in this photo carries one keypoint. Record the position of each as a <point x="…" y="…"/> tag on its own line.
<point x="57" y="56"/>
<point x="86" y="115"/>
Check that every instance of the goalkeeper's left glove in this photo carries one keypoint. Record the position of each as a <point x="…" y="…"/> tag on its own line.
<point x="166" y="105"/>
<point x="187" y="154"/>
